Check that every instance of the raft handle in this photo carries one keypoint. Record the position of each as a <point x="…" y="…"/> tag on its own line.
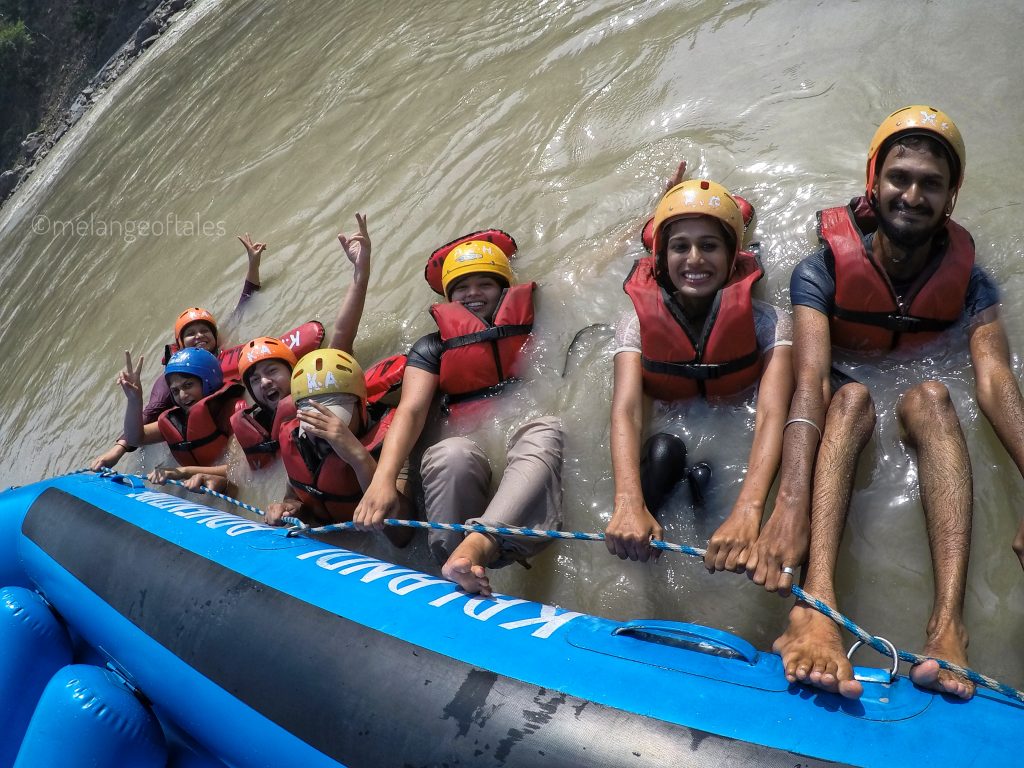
<point x="691" y="637"/>
<point x="132" y="481"/>
<point x="892" y="652"/>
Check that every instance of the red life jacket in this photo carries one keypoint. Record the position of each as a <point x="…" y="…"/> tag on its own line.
<point x="480" y="358"/>
<point x="301" y="341"/>
<point x="326" y="485"/>
<point x="203" y="440"/>
<point x="384" y="382"/>
<point x="724" y="361"/>
<point x="868" y="315"/>
<point x="259" y="445"/>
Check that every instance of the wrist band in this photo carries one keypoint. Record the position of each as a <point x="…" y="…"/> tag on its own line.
<point x="805" y="421"/>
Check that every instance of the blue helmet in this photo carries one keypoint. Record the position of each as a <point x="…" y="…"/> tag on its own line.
<point x="193" y="361"/>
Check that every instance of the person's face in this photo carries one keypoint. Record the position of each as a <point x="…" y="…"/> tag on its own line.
<point x="269" y="381"/>
<point x="697" y="257"/>
<point x="478" y="293"/>
<point x="199" y="335"/>
<point x="913" y="194"/>
<point x="186" y="390"/>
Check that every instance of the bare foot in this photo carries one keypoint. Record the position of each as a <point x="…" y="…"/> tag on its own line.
<point x="467" y="564"/>
<point x="812" y="653"/>
<point x="950" y="645"/>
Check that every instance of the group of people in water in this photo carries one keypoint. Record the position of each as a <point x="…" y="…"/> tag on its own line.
<point x="893" y="271"/>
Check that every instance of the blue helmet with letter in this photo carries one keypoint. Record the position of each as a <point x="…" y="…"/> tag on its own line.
<point x="193" y="361"/>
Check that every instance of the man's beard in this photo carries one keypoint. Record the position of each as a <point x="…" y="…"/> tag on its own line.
<point x="904" y="236"/>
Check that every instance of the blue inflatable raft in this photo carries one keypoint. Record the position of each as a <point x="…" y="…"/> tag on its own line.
<point x="255" y="649"/>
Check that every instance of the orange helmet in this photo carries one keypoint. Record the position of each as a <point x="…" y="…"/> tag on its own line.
<point x="917" y="119"/>
<point x="193" y="315"/>
<point x="263" y="348"/>
<point x="701" y="198"/>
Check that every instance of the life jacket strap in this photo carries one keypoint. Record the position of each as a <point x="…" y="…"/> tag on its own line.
<point x="701" y="371"/>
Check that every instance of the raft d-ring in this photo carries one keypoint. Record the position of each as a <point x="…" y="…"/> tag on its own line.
<point x="892" y="651"/>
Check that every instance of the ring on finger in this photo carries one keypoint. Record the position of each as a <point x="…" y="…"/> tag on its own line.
<point x="788" y="570"/>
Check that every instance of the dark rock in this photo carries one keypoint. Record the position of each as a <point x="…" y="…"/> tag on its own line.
<point x="10" y="179"/>
<point x="147" y="29"/>
<point x="176" y="5"/>
<point x="31" y="143"/>
<point x="76" y="110"/>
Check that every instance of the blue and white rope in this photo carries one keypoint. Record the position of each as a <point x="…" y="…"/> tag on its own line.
<point x="297" y="526"/>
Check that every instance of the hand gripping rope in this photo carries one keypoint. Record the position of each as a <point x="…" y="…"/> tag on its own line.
<point x="879" y="644"/>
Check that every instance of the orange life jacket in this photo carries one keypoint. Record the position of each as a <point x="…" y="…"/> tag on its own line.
<point x="326" y="485"/>
<point x="867" y="314"/>
<point x="203" y="439"/>
<point x="480" y="358"/>
<point x="724" y="361"/>
<point x="259" y="445"/>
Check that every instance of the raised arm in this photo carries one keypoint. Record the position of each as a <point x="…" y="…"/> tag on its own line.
<point x="381" y="499"/>
<point x="254" y="253"/>
<point x="357" y="249"/>
<point x="783" y="539"/>
<point x="129" y="379"/>
<point x="731" y="544"/>
<point x="632" y="525"/>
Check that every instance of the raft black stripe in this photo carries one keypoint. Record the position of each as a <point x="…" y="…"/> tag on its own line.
<point x="365" y="698"/>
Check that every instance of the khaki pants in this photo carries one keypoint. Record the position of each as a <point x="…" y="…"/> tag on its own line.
<point x="457" y="481"/>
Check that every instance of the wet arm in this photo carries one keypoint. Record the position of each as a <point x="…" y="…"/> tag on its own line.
<point x="135" y="432"/>
<point x="418" y="389"/>
<point x="732" y="543"/>
<point x="784" y="538"/>
<point x="812" y="362"/>
<point x="774" y="395"/>
<point x="381" y="499"/>
<point x="346" y="324"/>
<point x="632" y="525"/>
<point x="998" y="392"/>
<point x="357" y="249"/>
<point x="254" y="253"/>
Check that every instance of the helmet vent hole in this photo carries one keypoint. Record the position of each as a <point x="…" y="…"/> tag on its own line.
<point x="704" y="185"/>
<point x="319" y="364"/>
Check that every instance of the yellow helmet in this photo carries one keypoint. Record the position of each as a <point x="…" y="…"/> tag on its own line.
<point x="327" y="372"/>
<point x="472" y="258"/>
<point x="701" y="198"/>
<point x="921" y="119"/>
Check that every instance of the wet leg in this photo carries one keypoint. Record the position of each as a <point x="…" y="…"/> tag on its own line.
<point x="662" y="466"/>
<point x="528" y="496"/>
<point x="456" y="484"/>
<point x="932" y="429"/>
<point x="811" y="647"/>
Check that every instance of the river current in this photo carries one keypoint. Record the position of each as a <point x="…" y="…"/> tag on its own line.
<point x="556" y="121"/>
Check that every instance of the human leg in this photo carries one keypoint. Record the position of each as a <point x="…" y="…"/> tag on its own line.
<point x="932" y="429"/>
<point x="662" y="466"/>
<point x="456" y="479"/>
<point x="811" y="647"/>
<point x="528" y="496"/>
